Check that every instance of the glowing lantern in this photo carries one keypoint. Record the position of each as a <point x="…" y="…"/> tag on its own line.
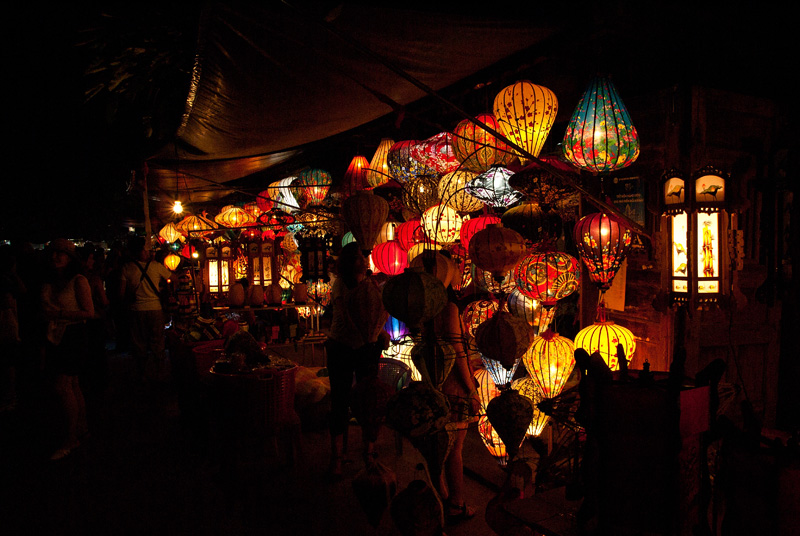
<point x="491" y="439"/>
<point x="436" y="153"/>
<point x="395" y="328"/>
<point x="315" y="184"/>
<point x="533" y="223"/>
<point x="453" y="193"/>
<point x="603" y="242"/>
<point x="234" y="218"/>
<point x="501" y="375"/>
<point x="416" y="250"/>
<point x="477" y="148"/>
<point x="710" y="239"/>
<point x="388" y="232"/>
<point x="288" y="200"/>
<point x="402" y="166"/>
<point x="434" y="359"/>
<point x="264" y="201"/>
<point x="420" y="193"/>
<point x="539" y="184"/>
<point x="603" y="337"/>
<point x="365" y="213"/>
<point x="172" y="261"/>
<point x="477" y="312"/>
<point x="600" y="136"/>
<point x="189" y="252"/>
<point x="487" y="283"/>
<point x="401" y="350"/>
<point x="347" y="238"/>
<point x="473" y="225"/>
<point x="441" y="224"/>
<point x="389" y="257"/>
<point x="378" y="173"/>
<point x="289" y="243"/>
<point x="504" y="338"/>
<point x="409" y="233"/>
<point x="510" y="414"/>
<point x="487" y="389"/>
<point x="525" y="113"/>
<point x="355" y="178"/>
<point x="496" y="250"/>
<point x="529" y="310"/>
<point x="433" y="262"/>
<point x="548" y="277"/>
<point x="196" y="225"/>
<point x="414" y="297"/>
<point x="170" y="233"/>
<point x="550" y="361"/>
<point x="492" y="188"/>
<point x="528" y="388"/>
<point x="253" y="209"/>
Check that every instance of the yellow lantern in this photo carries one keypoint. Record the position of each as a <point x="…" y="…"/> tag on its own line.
<point x="401" y="350"/>
<point x="420" y="193"/>
<point x="441" y="224"/>
<point x="491" y="439"/>
<point x="525" y="113"/>
<point x="378" y="172"/>
<point x="528" y="388"/>
<point x="234" y="217"/>
<point x="172" y="261"/>
<point x="387" y="232"/>
<point x="415" y="251"/>
<point x="453" y="193"/>
<point x="530" y="310"/>
<point x="604" y="337"/>
<point x="550" y="361"/>
<point x="170" y="233"/>
<point x="487" y="390"/>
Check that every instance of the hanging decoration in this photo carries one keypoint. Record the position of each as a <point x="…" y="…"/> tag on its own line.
<point x="387" y="232"/>
<point x="441" y="224"/>
<point x="548" y="276"/>
<point x="436" y="153"/>
<point x="478" y="149"/>
<point x="603" y="242"/>
<point x="288" y="201"/>
<point x="504" y="338"/>
<point x="529" y="310"/>
<point x="264" y="201"/>
<point x="234" y="218"/>
<point x="401" y="350"/>
<point x="510" y="414"/>
<point x="315" y="184"/>
<point x="603" y="336"/>
<point x="550" y="361"/>
<point x="252" y="208"/>
<point x="420" y="193"/>
<point x="172" y="261"/>
<point x="434" y="262"/>
<point x="477" y="312"/>
<point x="434" y="359"/>
<point x="378" y="173"/>
<point x="396" y="329"/>
<point x="277" y="221"/>
<point x="487" y="389"/>
<point x="496" y="249"/>
<point x="410" y="233"/>
<point x="196" y="226"/>
<point x="453" y="193"/>
<point x="402" y="166"/>
<point x="600" y="136"/>
<point x="348" y="238"/>
<point x="414" y="297"/>
<point x="491" y="187"/>
<point x="536" y="225"/>
<point x="486" y="282"/>
<point x="539" y="184"/>
<point x="501" y="375"/>
<point x="528" y="388"/>
<point x="525" y="113"/>
<point x="355" y="177"/>
<point x="365" y="213"/>
<point x="170" y="233"/>
<point x="389" y="257"/>
<point x="491" y="439"/>
<point x="473" y="225"/>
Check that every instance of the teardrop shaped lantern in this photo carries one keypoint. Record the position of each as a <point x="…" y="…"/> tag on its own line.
<point x="530" y="310"/>
<point x="603" y="337"/>
<point x="436" y="153"/>
<point x="441" y="224"/>
<point x="365" y="213"/>
<point x="603" y="242"/>
<point x="402" y="166"/>
<point x="504" y="338"/>
<point x="600" y="136"/>
<point x="528" y="388"/>
<point x="473" y="225"/>
<point x="355" y="177"/>
<point x="389" y="257"/>
<point x="526" y="113"/>
<point x="378" y="173"/>
<point x="453" y="192"/>
<point x="492" y="442"/>
<point x="315" y="184"/>
<point x="476" y="313"/>
<point x="420" y="193"/>
<point x="496" y="249"/>
<point x="510" y="414"/>
<point x="492" y="188"/>
<point x="478" y="149"/>
<point x="548" y="276"/>
<point x="434" y="359"/>
<point x="550" y="361"/>
<point x="170" y="233"/>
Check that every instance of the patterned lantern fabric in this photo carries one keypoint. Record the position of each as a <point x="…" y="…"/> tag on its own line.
<point x="402" y="166"/>
<point x="525" y="113"/>
<point x="414" y="297"/>
<point x="477" y="312"/>
<point x="473" y="225"/>
<point x="550" y="361"/>
<point x="548" y="277"/>
<point x="288" y="200"/>
<point x="420" y="193"/>
<point x="347" y="238"/>
<point x="315" y="184"/>
<point x="264" y="201"/>
<point x="378" y="173"/>
<point x="390" y="257"/>
<point x="492" y="187"/>
<point x="396" y="329"/>
<point x="530" y="310"/>
<point x="487" y="389"/>
<point x="487" y="283"/>
<point x="491" y="439"/>
<point x="234" y="217"/>
<point x="253" y="209"/>
<point x="504" y="338"/>
<point x="478" y="149"/>
<point x="603" y="242"/>
<point x="196" y="225"/>
<point x="434" y="360"/>
<point x="436" y="153"/>
<point x="365" y="213"/>
<point x="355" y="177"/>
<point x="453" y="193"/>
<point x="600" y="137"/>
<point x="441" y="224"/>
<point x="500" y="374"/>
<point x="496" y="249"/>
<point x="533" y="223"/>
<point x="510" y="414"/>
<point x="170" y="233"/>
<point x="604" y="337"/>
<point x="540" y="184"/>
<point x="528" y="388"/>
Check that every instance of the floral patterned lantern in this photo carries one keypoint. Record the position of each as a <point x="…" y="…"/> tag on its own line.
<point x="436" y="153"/>
<point x="170" y="233"/>
<point x="172" y="261"/>
<point x="355" y="178"/>
<point x="539" y="184"/>
<point x="234" y="218"/>
<point x="533" y="223"/>
<point x="603" y="242"/>
<point x="492" y="187"/>
<point x="402" y="166"/>
<point x="420" y="193"/>
<point x="477" y="312"/>
<point x="441" y="224"/>
<point x="453" y="192"/>
<point x="365" y="213"/>
<point x="526" y="113"/>
<point x="491" y="439"/>
<point x="603" y="337"/>
<point x="504" y="338"/>
<point x="389" y="257"/>
<point x="600" y="136"/>
<point x="548" y="276"/>
<point x="496" y="249"/>
<point x="529" y="310"/>
<point x="550" y="361"/>
<point x="478" y="149"/>
<point x="288" y="201"/>
<point x="315" y="184"/>
<point x="264" y="201"/>
<point x="410" y="233"/>
<point x="473" y="225"/>
<point x="378" y="173"/>
<point x="528" y="388"/>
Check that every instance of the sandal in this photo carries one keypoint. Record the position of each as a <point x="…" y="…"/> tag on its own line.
<point x="458" y="513"/>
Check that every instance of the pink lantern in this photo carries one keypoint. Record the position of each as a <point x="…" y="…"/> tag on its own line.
<point x="436" y="153"/>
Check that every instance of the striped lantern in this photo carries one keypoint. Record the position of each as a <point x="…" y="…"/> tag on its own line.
<point x="501" y="375"/>
<point x="473" y="225"/>
<point x="550" y="361"/>
<point x="409" y="233"/>
<point x="389" y="257"/>
<point x="441" y="224"/>
<point x="420" y="193"/>
<point x="315" y="184"/>
<point x="603" y="337"/>
<point x="365" y="213"/>
<point x="453" y="193"/>
<point x="388" y="232"/>
<point x="235" y="218"/>
<point x="526" y="113"/>
<point x="491" y="439"/>
<point x="378" y="173"/>
<point x="478" y="149"/>
<point x="170" y="233"/>
<point x="496" y="249"/>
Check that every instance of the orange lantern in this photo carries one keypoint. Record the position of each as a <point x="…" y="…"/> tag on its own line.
<point x="510" y="414"/>
<point x="264" y="201"/>
<point x="378" y="173"/>
<point x="603" y="242"/>
<point x="234" y="218"/>
<point x="473" y="225"/>
<point x="365" y="213"/>
<point x="491" y="439"/>
<point x="526" y="113"/>
<point x="389" y="257"/>
<point x="550" y="361"/>
<point x="172" y="261"/>
<point x="487" y="389"/>
<point x="496" y="249"/>
<point x="196" y="225"/>
<point x="170" y="233"/>
<point x="528" y="388"/>
<point x="453" y="192"/>
<point x="479" y="149"/>
<point x="477" y="312"/>
<point x="548" y="276"/>
<point x="355" y="178"/>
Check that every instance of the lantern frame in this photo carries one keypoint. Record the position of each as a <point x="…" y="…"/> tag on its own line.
<point x="603" y="242"/>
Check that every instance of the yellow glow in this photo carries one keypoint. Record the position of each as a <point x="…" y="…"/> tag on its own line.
<point x="603" y="337"/>
<point x="679" y="256"/>
<point x="707" y="253"/>
<point x="177" y="208"/>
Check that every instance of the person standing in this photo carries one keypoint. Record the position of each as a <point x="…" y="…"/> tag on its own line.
<point x="140" y="283"/>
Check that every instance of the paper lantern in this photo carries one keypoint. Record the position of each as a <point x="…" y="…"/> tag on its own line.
<point x="402" y="166"/>
<point x="264" y="201"/>
<point x="355" y="177"/>
<point x="436" y="153"/>
<point x="365" y="213"/>
<point x="603" y="337"/>
<point x="401" y="350"/>
<point x="378" y="173"/>
<point x="420" y="193"/>
<point x="196" y="225"/>
<point x="170" y="233"/>
<point x="388" y="232"/>
<point x="417" y="250"/>
<point x="478" y="149"/>
<point x="473" y="225"/>
<point x="530" y="310"/>
<point x="441" y="224"/>
<point x="496" y="249"/>
<point x="600" y="136"/>
<point x="539" y="184"/>
<point x="525" y="113"/>
<point x="486" y="282"/>
<point x="533" y="223"/>
<point x="434" y="359"/>
<point x="235" y="218"/>
<point x="172" y="261"/>
<point x="491" y="439"/>
<point x="528" y="388"/>
<point x="492" y="187"/>
<point x="549" y="361"/>
<point x="409" y="233"/>
<point x="501" y="375"/>
<point x="510" y="414"/>
<point x="504" y="338"/>
<point x="477" y="312"/>
<point x="390" y="257"/>
<point x="288" y="201"/>
<point x="453" y="193"/>
<point x="548" y="277"/>
<point x="414" y="297"/>
<point x="603" y="242"/>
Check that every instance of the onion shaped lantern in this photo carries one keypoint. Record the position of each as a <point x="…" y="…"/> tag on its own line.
<point x="390" y="258"/>
<point x="453" y="192"/>
<point x="528" y="388"/>
<point x="476" y="313"/>
<point x="600" y="136"/>
<point x="501" y="376"/>
<point x="420" y="193"/>
<point x="414" y="297"/>
<point x="487" y="389"/>
<point x="402" y="166"/>
<point x="491" y="439"/>
<point x="172" y="261"/>
<point x="436" y="153"/>
<point x="548" y="277"/>
<point x="196" y="225"/>
<point x="315" y="184"/>
<point x="441" y="224"/>
<point x="264" y="201"/>
<point x="526" y="113"/>
<point x="434" y="359"/>
<point x="378" y="173"/>
<point x="473" y="225"/>
<point x="496" y="249"/>
<point x="533" y="223"/>
<point x="170" y="233"/>
<point x="365" y="213"/>
<point x="603" y="337"/>
<point x="504" y="338"/>
<point x="486" y="282"/>
<point x="529" y="310"/>
<point x="235" y="217"/>
<point x="355" y="177"/>
<point x="492" y="188"/>
<point x="510" y="414"/>
<point x="550" y="361"/>
<point x="477" y="148"/>
<point x="409" y="233"/>
<point x="603" y="242"/>
<point x="253" y="209"/>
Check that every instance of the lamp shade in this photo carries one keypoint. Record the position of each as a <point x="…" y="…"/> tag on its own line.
<point x="389" y="257"/>
<point x="550" y="360"/>
<point x="525" y="113"/>
<point x="172" y="261"/>
<point x="504" y="338"/>
<point x="402" y="166"/>
<point x="453" y="192"/>
<point x="600" y="136"/>
<point x="603" y="242"/>
<point x="441" y="224"/>
<point x="434" y="359"/>
<point x="528" y="388"/>
<point x="196" y="225"/>
<point x="496" y="249"/>
<point x="234" y="217"/>
<point x="548" y="277"/>
<point x="365" y="213"/>
<point x="420" y="193"/>
<point x="530" y="310"/>
<point x="315" y="184"/>
<point x="501" y="375"/>
<point x="603" y="337"/>
<point x="492" y="442"/>
<point x="409" y="233"/>
<point x="288" y="200"/>
<point x="355" y="177"/>
<point x="478" y="149"/>
<point x="433" y="262"/>
<point x="378" y="173"/>
<point x="476" y="313"/>
<point x="436" y="153"/>
<point x="533" y="223"/>
<point x="473" y="225"/>
<point x="170" y="233"/>
<point x="492" y="188"/>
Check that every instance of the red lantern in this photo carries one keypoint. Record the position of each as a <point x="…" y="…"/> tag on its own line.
<point x="389" y="257"/>
<point x="478" y="149"/>
<point x="473" y="225"/>
<point x="603" y="243"/>
<point x="402" y="166"/>
<point x="314" y="184"/>
<point x="355" y="178"/>
<point x="436" y="153"/>
<point x="264" y="201"/>
<point x="496" y="249"/>
<point x="409" y="233"/>
<point x="548" y="276"/>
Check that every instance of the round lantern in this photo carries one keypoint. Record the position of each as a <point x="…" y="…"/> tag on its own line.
<point x="525" y="113"/>
<point x="603" y="337"/>
<point x="510" y="414"/>
<point x="486" y="282"/>
<point x="528" y="388"/>
<point x="473" y="225"/>
<point x="491" y="439"/>
<point x="170" y="233"/>
<point x="378" y="173"/>
<point x="234" y="218"/>
<point x="530" y="310"/>
<point x="453" y="193"/>
<point x="600" y="136"/>
<point x="414" y="297"/>
<point x="504" y="338"/>
<point x="402" y="166"/>
<point x="477" y="312"/>
<point x="409" y="233"/>
<point x="434" y="359"/>
<point x="434" y="262"/>
<point x="441" y="224"/>
<point x="417" y="250"/>
<point x="550" y="361"/>
<point x="478" y="149"/>
<point x="533" y="223"/>
<point x="355" y="178"/>
<point x="315" y="184"/>
<point x="288" y="200"/>
<point x="496" y="249"/>
<point x="548" y="277"/>
<point x="603" y="242"/>
<point x="264" y="201"/>
<point x="420" y="193"/>
<point x="436" y="153"/>
<point x="365" y="213"/>
<point x="491" y="187"/>
<point x="389" y="257"/>
<point x="172" y="261"/>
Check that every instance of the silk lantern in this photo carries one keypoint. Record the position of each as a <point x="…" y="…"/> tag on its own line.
<point x="315" y="184"/>
<point x="355" y="177"/>
<point x="409" y="233"/>
<point x="530" y="310"/>
<point x="441" y="224"/>
<point x="402" y="166"/>
<point x="378" y="173"/>
<point x="401" y="350"/>
<point x="473" y="225"/>
<point x="365" y="213"/>
<point x="414" y="297"/>
<point x="388" y="232"/>
<point x="194" y="225"/>
<point x="288" y="201"/>
<point x="420" y="193"/>
<point x="510" y="414"/>
<point x="172" y="261"/>
<point x="603" y="337"/>
<point x="501" y="375"/>
<point x="548" y="276"/>
<point x="492" y="442"/>
<point x="433" y="262"/>
<point x="496" y="249"/>
<point x="390" y="257"/>
<point x="492" y="187"/>
<point x="600" y="136"/>
<point x="603" y="242"/>
<point x="487" y="389"/>
<point x="535" y="224"/>
<point x="504" y="338"/>
<point x="477" y="148"/>
<point x="396" y="328"/>
<point x="453" y="192"/>
<point x="528" y="388"/>
<point x="170" y="233"/>
<point x="434" y="359"/>
<point x="539" y="184"/>
<point x="235" y="218"/>
<point x="264" y="201"/>
<point x="550" y="361"/>
<point x="436" y="153"/>
<point x="525" y="113"/>
<point x="476" y="313"/>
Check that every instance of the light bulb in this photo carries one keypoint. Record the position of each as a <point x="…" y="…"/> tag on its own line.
<point x="177" y="208"/>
